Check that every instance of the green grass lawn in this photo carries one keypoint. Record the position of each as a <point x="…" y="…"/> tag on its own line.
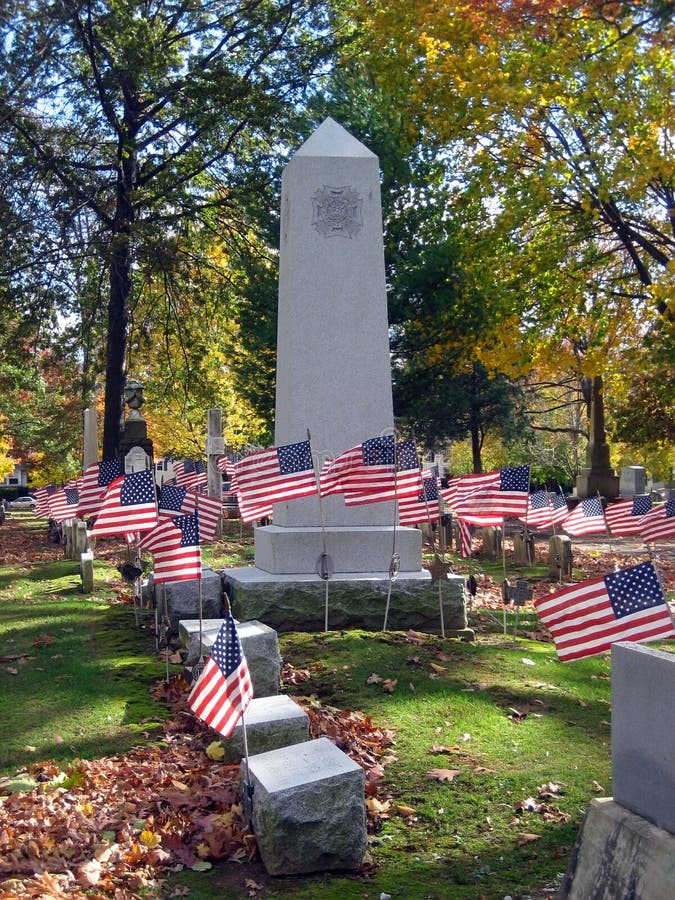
<point x="498" y="747"/>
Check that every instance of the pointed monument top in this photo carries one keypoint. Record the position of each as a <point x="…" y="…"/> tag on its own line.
<point x="331" y="139"/>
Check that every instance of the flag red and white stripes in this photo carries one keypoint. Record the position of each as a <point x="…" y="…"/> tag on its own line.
<point x="586" y="619"/>
<point x="274" y="475"/>
<point x="95" y="483"/>
<point x="174" y="544"/>
<point x="488" y="499"/>
<point x="626" y="516"/>
<point x="659" y="524"/>
<point x="223" y="690"/>
<point x="129" y="505"/>
<point x="210" y="512"/>
<point x="588" y="517"/>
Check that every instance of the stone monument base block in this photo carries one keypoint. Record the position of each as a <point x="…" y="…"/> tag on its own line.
<point x="591" y="484"/>
<point x="355" y="600"/>
<point x="285" y="550"/>
<point x="307" y="808"/>
<point x="258" y="642"/>
<point x="620" y="854"/>
<point x="176" y="600"/>
<point x="271" y="723"/>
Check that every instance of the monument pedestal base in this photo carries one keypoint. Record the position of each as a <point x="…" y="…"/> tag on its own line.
<point x="286" y="550"/>
<point x="355" y="600"/>
<point x="590" y="484"/>
<point x="620" y="854"/>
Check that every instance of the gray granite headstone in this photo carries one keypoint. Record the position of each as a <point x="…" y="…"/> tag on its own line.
<point x="560" y="558"/>
<point x="643" y="732"/>
<point x="270" y="723"/>
<point x="308" y="808"/>
<point x="176" y="600"/>
<point x="259" y="644"/>
<point x="632" y="481"/>
<point x="87" y="571"/>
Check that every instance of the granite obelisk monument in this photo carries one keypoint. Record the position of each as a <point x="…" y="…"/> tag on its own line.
<point x="333" y="366"/>
<point x="334" y="383"/>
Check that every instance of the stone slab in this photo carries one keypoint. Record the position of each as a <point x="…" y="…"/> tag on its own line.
<point x="258" y="641"/>
<point x="358" y="600"/>
<point x="283" y="550"/>
<point x="560" y="557"/>
<point x="643" y="732"/>
<point x="618" y="855"/>
<point x="271" y="723"/>
<point x="176" y="600"/>
<point x="308" y="808"/>
<point x="632" y="481"/>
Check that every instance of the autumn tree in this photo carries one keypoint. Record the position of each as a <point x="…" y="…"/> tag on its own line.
<point x="554" y="119"/>
<point x="127" y="118"/>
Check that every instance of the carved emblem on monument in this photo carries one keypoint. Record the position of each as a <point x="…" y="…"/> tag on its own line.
<point x="337" y="210"/>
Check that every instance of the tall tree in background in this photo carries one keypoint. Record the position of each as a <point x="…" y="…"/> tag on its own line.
<point x="127" y="117"/>
<point x="555" y="118"/>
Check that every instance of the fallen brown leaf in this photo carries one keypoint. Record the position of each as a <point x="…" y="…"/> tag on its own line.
<point x="444" y="774"/>
<point x="526" y="838"/>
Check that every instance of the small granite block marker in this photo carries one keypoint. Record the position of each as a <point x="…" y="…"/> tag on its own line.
<point x="271" y="723"/>
<point x="308" y="808"/>
<point x="259" y="644"/>
<point x="560" y="560"/>
<point x="87" y="572"/>
<point x="176" y="600"/>
<point x="643" y="732"/>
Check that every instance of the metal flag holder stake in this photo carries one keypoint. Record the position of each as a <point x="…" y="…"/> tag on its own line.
<point x="395" y="561"/>
<point x="324" y="564"/>
<point x="248" y="792"/>
<point x="607" y="530"/>
<point x="198" y="667"/>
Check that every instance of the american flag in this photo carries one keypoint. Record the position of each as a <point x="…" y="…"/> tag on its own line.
<point x="253" y="513"/>
<point x="560" y="510"/>
<point x="659" y="523"/>
<point x="95" y="480"/>
<point x="421" y="507"/>
<point x="129" y="505"/>
<point x="63" y="503"/>
<point x="545" y="509"/>
<point x="42" y="500"/>
<point x="210" y="516"/>
<point x="464" y="534"/>
<point x="449" y="494"/>
<point x="223" y="690"/>
<point x="495" y="496"/>
<point x="174" y="544"/>
<point x="190" y="473"/>
<point x="225" y="464"/>
<point x="625" y="517"/>
<point x="368" y="466"/>
<point x="405" y="479"/>
<point x="585" y="619"/>
<point x="586" y="518"/>
<point x="274" y="475"/>
<point x="174" y="501"/>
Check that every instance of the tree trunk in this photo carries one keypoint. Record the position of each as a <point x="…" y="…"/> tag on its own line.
<point x="474" y="425"/>
<point x="118" y="306"/>
<point x="118" y="319"/>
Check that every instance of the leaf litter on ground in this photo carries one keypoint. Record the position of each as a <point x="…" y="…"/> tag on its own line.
<point x="117" y="825"/>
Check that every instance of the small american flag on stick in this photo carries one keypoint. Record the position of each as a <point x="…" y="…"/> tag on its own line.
<point x="223" y="690"/>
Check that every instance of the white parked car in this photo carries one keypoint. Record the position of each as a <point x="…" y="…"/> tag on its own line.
<point x="23" y="503"/>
